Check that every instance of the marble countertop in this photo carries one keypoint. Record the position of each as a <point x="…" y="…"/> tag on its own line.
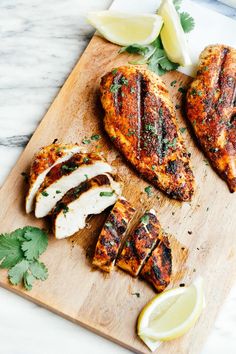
<point x="40" y="43"/>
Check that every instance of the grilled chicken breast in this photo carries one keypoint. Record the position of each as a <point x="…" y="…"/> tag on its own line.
<point x="211" y="108"/>
<point x="139" y="244"/>
<point x="140" y="119"/>
<point x="43" y="161"/>
<point x="90" y="197"/>
<point x="112" y="234"/>
<point x="157" y="269"/>
<point x="65" y="176"/>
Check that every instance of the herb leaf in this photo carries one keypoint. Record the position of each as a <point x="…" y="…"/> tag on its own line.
<point x="36" y="242"/>
<point x="19" y="252"/>
<point x="28" y="280"/>
<point x="167" y="65"/>
<point x="39" y="270"/>
<point x="17" y="272"/>
<point x="177" y="4"/>
<point x="107" y="194"/>
<point x="187" y="22"/>
<point x="95" y="137"/>
<point x="10" y="250"/>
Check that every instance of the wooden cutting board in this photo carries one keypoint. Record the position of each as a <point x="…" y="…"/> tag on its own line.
<point x="204" y="229"/>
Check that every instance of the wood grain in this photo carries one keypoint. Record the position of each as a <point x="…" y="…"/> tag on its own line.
<point x="206" y="226"/>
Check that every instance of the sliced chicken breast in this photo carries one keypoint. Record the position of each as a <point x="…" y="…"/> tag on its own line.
<point x="90" y="197"/>
<point x="139" y="244"/>
<point x="157" y="269"/>
<point x="43" y="161"/>
<point x="112" y="235"/>
<point x="65" y="176"/>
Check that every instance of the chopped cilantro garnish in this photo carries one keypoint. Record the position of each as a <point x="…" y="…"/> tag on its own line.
<point x="108" y="224"/>
<point x="151" y="128"/>
<point x="115" y="88"/>
<point x="114" y="71"/>
<point x="45" y="194"/>
<point x="95" y="137"/>
<point x="65" y="209"/>
<point x="145" y="219"/>
<point x="182" y="89"/>
<point x="69" y="168"/>
<point x="85" y="159"/>
<point x="182" y="129"/>
<point x="124" y="81"/>
<point x="107" y="194"/>
<point x="148" y="190"/>
<point x="86" y="141"/>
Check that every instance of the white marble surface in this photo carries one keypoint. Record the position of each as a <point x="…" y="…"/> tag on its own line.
<point x="40" y="41"/>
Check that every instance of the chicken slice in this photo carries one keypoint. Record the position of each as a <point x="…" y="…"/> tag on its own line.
<point x="65" y="176"/>
<point x="139" y="244"/>
<point x="43" y="161"/>
<point x="90" y="197"/>
<point x="140" y="119"/>
<point x="211" y="108"/>
<point x="112" y="234"/>
<point x="157" y="269"/>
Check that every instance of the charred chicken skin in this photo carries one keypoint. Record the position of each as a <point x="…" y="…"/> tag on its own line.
<point x="112" y="234"/>
<point x="211" y="108"/>
<point x="140" y="119"/>
<point x="140" y="244"/>
<point x="157" y="269"/>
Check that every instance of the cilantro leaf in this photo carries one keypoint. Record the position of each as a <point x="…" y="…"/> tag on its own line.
<point x="35" y="243"/>
<point x="19" y="252"/>
<point x="187" y="22"/>
<point x="177" y="4"/>
<point x="160" y="64"/>
<point x="17" y="272"/>
<point x="135" y="49"/>
<point x="39" y="270"/>
<point x="28" y="280"/>
<point x="17" y="234"/>
<point x="10" y="250"/>
<point x="167" y="65"/>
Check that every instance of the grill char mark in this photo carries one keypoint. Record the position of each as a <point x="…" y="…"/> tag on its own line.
<point x="157" y="270"/>
<point x="141" y="95"/>
<point x="117" y="95"/>
<point x="139" y="245"/>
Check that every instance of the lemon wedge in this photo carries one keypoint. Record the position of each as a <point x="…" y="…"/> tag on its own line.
<point x="126" y="29"/>
<point x="171" y="314"/>
<point x="172" y="35"/>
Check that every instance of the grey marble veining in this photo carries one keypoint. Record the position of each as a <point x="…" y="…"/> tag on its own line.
<point x="40" y="42"/>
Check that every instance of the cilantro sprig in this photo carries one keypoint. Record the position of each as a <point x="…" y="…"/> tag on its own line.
<point x="154" y="54"/>
<point x="19" y="253"/>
